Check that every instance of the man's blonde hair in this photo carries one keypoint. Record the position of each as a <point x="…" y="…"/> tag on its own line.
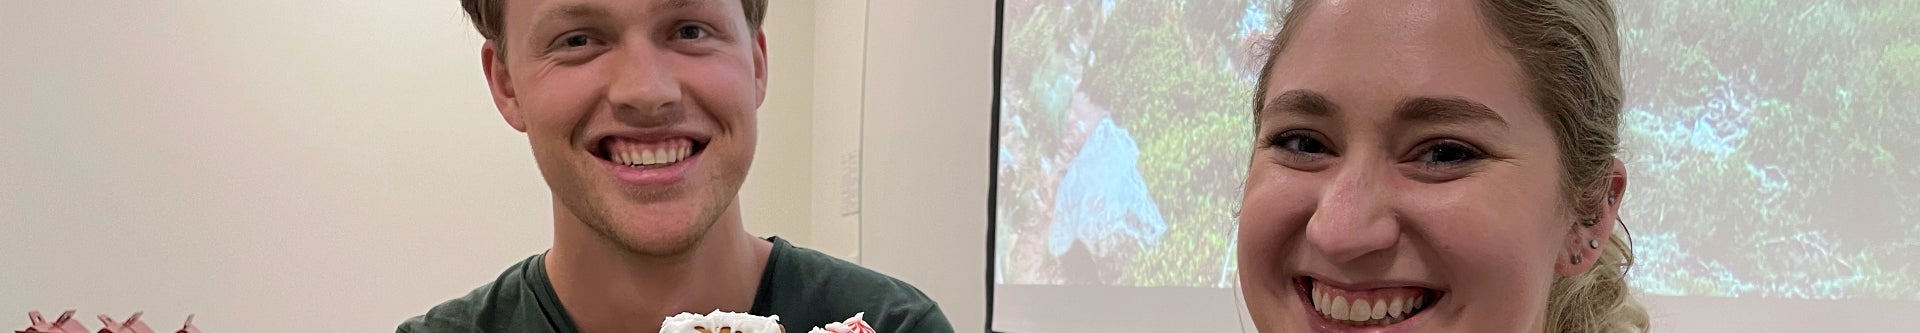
<point x="1569" y="51"/>
<point x="486" y="15"/>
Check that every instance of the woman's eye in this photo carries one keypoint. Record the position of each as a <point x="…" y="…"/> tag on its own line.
<point x="1306" y="145"/>
<point x="1303" y="150"/>
<point x="690" y="32"/>
<point x="1449" y="153"/>
<point x="1300" y="143"/>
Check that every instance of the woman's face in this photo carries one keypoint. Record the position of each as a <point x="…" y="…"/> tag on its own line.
<point x="1400" y="173"/>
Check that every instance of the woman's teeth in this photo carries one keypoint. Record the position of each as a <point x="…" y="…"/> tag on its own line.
<point x="1379" y="307"/>
<point x="649" y="154"/>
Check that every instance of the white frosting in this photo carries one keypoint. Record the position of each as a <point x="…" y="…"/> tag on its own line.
<point x="832" y="328"/>
<point x="740" y="322"/>
<point x="841" y="327"/>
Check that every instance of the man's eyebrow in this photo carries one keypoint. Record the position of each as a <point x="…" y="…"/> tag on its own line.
<point x="576" y="11"/>
<point x="572" y="11"/>
<point x="676" y="4"/>
<point x="1446" y="110"/>
<point x="1299" y="102"/>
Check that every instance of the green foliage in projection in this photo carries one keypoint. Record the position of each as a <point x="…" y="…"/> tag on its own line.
<point x="1772" y="146"/>
<point x="1190" y="113"/>
<point x="1159" y="70"/>
<point x="1755" y="133"/>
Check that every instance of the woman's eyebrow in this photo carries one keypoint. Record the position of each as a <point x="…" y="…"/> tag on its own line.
<point x="1298" y="102"/>
<point x="1446" y="110"/>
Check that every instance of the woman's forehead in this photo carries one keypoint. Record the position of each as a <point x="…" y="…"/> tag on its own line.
<point x="1376" y="55"/>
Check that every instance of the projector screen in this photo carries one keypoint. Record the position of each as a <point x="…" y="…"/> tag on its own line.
<point x="1772" y="150"/>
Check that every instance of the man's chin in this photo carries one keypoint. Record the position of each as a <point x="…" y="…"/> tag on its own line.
<point x="656" y="246"/>
<point x="658" y="230"/>
<point x="654" y="238"/>
<point x="653" y="220"/>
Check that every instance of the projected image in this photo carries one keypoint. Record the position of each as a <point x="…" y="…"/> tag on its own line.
<point x="1124" y="138"/>
<point x="1774" y="151"/>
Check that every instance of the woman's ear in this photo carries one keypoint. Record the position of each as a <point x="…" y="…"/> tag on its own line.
<point x="1588" y="239"/>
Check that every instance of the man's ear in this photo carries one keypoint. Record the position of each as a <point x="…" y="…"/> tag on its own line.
<point x="1589" y="242"/>
<point x="500" y="83"/>
<point x="760" y="66"/>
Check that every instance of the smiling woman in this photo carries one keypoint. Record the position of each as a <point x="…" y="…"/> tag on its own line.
<point x="1438" y="166"/>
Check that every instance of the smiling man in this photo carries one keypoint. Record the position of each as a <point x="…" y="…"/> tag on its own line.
<point x="640" y="114"/>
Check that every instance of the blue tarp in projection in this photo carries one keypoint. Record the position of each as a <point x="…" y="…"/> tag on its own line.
<point x="1102" y="201"/>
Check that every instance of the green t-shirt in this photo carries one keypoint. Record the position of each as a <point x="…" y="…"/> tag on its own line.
<point x="804" y="287"/>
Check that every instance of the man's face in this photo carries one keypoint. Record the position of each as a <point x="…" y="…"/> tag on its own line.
<point x="640" y="113"/>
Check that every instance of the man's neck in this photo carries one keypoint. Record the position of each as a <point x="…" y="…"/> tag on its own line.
<point x="607" y="288"/>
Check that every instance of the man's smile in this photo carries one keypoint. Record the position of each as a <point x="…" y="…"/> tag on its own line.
<point x="648" y="159"/>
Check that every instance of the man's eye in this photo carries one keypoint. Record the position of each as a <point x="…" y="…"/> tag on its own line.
<point x="690" y="32"/>
<point x="576" y="40"/>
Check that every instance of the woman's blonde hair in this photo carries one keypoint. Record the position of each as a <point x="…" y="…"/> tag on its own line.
<point x="1569" y="51"/>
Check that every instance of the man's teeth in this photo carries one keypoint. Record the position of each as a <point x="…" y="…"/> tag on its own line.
<point x="1378" y="310"/>
<point x="654" y="154"/>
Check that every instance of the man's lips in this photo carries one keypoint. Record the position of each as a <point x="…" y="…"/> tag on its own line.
<point x="650" y="160"/>
<point x="643" y="154"/>
<point x="610" y="146"/>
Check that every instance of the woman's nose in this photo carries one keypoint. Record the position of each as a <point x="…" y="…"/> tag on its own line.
<point x="1353" y="218"/>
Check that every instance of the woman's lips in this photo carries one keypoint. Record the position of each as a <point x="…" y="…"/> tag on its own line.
<point x="1365" y="307"/>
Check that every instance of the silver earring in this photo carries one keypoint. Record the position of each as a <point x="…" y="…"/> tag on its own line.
<point x="1593" y="244"/>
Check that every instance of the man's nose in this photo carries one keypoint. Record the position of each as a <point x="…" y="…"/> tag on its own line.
<point x="645" y="90"/>
<point x="1353" y="217"/>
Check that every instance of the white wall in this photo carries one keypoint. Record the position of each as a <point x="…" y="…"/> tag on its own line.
<point x="839" y="55"/>
<point x="929" y="99"/>
<point x="772" y="199"/>
<point x="296" y="166"/>
<point x="290" y="166"/>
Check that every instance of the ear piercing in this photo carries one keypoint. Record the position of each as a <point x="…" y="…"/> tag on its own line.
<point x="1591" y="244"/>
<point x="1595" y="243"/>
<point x="1612" y="199"/>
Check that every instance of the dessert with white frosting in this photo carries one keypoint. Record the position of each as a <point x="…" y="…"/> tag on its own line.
<point x="721" y="322"/>
<point x="857" y="324"/>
